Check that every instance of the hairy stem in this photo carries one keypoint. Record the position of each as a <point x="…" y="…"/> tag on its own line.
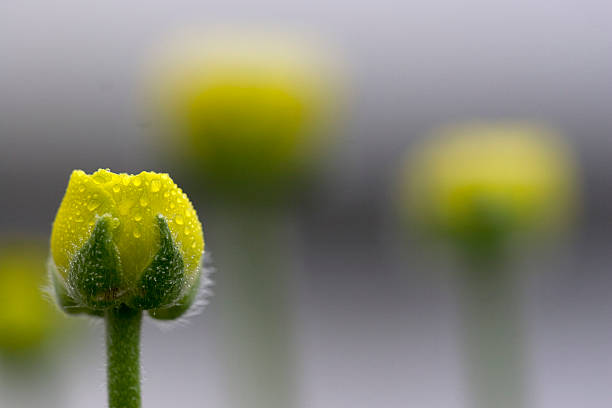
<point x="123" y="354"/>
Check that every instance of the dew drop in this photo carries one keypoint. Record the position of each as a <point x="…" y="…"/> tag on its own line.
<point x="187" y="230"/>
<point x="116" y="188"/>
<point x="81" y="189"/>
<point x="138" y="217"/>
<point x="79" y="219"/>
<point x="101" y="177"/>
<point x="136" y="234"/>
<point x="166" y="194"/>
<point x="143" y="201"/>
<point x="137" y="182"/>
<point x="172" y="205"/>
<point x="179" y="220"/>
<point x="92" y="205"/>
<point x="155" y="186"/>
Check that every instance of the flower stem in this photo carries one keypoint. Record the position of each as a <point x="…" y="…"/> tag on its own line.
<point x="493" y="334"/>
<point x="255" y="324"/>
<point x="123" y="354"/>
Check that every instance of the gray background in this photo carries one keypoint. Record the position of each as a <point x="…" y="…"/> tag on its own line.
<point x="375" y="321"/>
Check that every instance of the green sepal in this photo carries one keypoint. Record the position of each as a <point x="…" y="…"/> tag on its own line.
<point x="64" y="300"/>
<point x="177" y="310"/>
<point x="95" y="275"/>
<point x="490" y="225"/>
<point x="163" y="281"/>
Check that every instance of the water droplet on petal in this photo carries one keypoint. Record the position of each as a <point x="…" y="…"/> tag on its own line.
<point x="136" y="234"/>
<point x="92" y="205"/>
<point x="116" y="188"/>
<point x="101" y="176"/>
<point x="155" y="186"/>
<point x="179" y="220"/>
<point x="187" y="231"/>
<point x="138" y="217"/>
<point x="137" y="182"/>
<point x="143" y="201"/>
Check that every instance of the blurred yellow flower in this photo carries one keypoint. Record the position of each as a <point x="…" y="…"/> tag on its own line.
<point x="27" y="319"/>
<point x="120" y="238"/>
<point x="246" y="109"/>
<point x="475" y="177"/>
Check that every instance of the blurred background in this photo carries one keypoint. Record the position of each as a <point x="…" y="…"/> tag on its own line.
<point x="364" y="311"/>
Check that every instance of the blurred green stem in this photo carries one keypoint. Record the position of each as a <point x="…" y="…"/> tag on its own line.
<point x="252" y="286"/>
<point x="123" y="354"/>
<point x="493" y="333"/>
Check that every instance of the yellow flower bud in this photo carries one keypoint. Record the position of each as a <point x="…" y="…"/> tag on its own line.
<point x="245" y="109"/>
<point x="120" y="238"/>
<point x="477" y="177"/>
